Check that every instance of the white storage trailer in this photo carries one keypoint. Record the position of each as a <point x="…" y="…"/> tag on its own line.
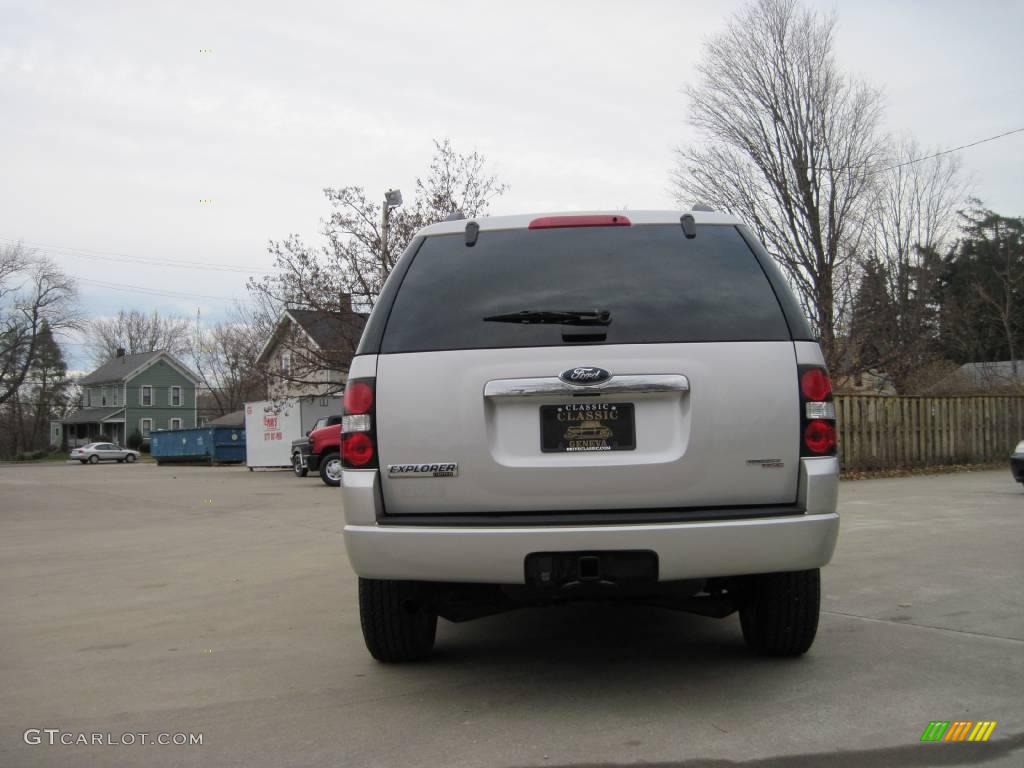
<point x="271" y="425"/>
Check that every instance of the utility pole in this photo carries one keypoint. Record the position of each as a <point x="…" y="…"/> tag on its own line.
<point x="392" y="199"/>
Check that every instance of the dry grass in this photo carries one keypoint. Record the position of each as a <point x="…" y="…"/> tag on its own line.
<point x="935" y="469"/>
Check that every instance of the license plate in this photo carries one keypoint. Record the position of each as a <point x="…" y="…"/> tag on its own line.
<point x="587" y="427"/>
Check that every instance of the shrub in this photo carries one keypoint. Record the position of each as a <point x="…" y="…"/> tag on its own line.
<point x="135" y="440"/>
<point x="31" y="455"/>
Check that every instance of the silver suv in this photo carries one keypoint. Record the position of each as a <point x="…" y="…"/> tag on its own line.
<point x="589" y="406"/>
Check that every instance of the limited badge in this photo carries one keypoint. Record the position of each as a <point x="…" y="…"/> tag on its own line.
<point x="441" y="469"/>
<point x="767" y="463"/>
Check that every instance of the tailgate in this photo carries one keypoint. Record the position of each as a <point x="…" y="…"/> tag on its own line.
<point x="677" y="425"/>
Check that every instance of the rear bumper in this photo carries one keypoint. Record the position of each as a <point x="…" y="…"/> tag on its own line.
<point x="497" y="554"/>
<point x="685" y="551"/>
<point x="1017" y="466"/>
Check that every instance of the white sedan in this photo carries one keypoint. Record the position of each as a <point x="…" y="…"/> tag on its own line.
<point x="94" y="453"/>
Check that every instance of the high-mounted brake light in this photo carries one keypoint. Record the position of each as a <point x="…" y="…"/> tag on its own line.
<point x="557" y="222"/>
<point x="358" y="432"/>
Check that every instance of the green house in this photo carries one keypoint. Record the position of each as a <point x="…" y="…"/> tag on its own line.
<point x="144" y="392"/>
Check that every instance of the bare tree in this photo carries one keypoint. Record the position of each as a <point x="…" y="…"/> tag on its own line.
<point x="137" y="332"/>
<point x="456" y="183"/>
<point x="342" y="279"/>
<point x="224" y="357"/>
<point x="790" y="145"/>
<point x="910" y="222"/>
<point x="915" y="206"/>
<point x="36" y="297"/>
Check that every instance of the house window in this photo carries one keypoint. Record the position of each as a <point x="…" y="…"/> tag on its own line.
<point x="115" y="395"/>
<point x="175" y="424"/>
<point x="175" y="396"/>
<point x="103" y="396"/>
<point x="286" y="363"/>
<point x="324" y="402"/>
<point x="145" y="395"/>
<point x="145" y="426"/>
<point x="88" y="398"/>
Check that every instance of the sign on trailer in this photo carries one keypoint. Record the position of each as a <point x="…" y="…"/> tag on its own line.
<point x="271" y="426"/>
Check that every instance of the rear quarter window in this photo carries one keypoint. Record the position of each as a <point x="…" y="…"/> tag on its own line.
<point x="659" y="287"/>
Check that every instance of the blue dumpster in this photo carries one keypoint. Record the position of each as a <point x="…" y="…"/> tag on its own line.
<point x="222" y="445"/>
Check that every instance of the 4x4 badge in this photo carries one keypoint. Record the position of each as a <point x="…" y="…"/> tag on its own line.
<point x="585" y="374"/>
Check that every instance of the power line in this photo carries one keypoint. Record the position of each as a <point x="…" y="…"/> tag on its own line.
<point x="87" y="253"/>
<point x="104" y="255"/>
<point x="953" y="149"/>
<point x="156" y="291"/>
<point x="834" y="168"/>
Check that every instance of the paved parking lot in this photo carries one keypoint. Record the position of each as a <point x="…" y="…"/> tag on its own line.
<point x="218" y="601"/>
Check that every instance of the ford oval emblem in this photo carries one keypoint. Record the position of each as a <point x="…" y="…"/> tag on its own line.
<point x="585" y="374"/>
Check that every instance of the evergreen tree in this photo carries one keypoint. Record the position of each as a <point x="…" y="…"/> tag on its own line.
<point x="48" y="387"/>
<point x="893" y="327"/>
<point x="981" y="290"/>
<point x="872" y="322"/>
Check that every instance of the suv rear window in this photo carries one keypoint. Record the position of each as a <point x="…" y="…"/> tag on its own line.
<point x="657" y="285"/>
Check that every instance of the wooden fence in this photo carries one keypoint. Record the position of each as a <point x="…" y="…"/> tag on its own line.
<point x="878" y="431"/>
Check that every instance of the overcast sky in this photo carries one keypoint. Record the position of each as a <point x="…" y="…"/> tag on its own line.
<point x="115" y="124"/>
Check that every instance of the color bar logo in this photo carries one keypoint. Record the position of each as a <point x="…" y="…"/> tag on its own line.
<point x="958" y="730"/>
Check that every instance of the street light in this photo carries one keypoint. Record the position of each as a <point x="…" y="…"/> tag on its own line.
<point x="392" y="199"/>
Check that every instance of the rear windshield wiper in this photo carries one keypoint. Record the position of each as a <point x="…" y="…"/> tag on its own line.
<point x="569" y="317"/>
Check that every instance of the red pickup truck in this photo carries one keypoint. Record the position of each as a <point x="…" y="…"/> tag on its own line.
<point x="320" y="451"/>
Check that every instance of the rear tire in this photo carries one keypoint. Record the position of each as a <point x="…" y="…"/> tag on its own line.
<point x="297" y="468"/>
<point x="779" y="612"/>
<point x="330" y="468"/>
<point x="398" y="622"/>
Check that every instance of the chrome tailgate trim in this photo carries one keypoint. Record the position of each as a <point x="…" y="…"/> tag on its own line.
<point x="617" y="385"/>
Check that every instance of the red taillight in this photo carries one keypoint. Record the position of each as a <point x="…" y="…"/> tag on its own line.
<point x="817" y="412"/>
<point x="556" y="222"/>
<point x="356" y="449"/>
<point x="358" y="398"/>
<point x="815" y="384"/>
<point x="358" y="425"/>
<point x="820" y="436"/>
